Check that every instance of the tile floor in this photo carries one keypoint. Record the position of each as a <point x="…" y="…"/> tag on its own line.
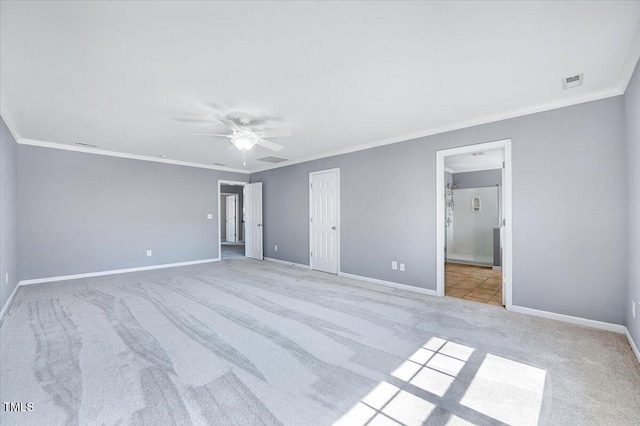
<point x="477" y="283"/>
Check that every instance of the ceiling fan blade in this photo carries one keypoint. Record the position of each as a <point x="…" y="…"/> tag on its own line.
<point x="210" y="134"/>
<point x="230" y="124"/>
<point x="231" y="147"/>
<point x="269" y="145"/>
<point x="274" y="133"/>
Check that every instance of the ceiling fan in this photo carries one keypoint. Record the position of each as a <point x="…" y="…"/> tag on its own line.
<point x="244" y="138"/>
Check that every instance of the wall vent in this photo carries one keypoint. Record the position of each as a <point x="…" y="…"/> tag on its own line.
<point x="573" y="81"/>
<point x="88" y="145"/>
<point x="273" y="159"/>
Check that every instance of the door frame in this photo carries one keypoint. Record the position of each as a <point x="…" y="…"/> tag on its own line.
<point x="507" y="254"/>
<point x="220" y="183"/>
<point x="238" y="207"/>
<point x="337" y="170"/>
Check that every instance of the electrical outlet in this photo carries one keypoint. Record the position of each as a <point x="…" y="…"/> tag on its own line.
<point x="402" y="267"/>
<point x="209" y="216"/>
<point x="394" y="265"/>
<point x="149" y="253"/>
<point x="276" y="247"/>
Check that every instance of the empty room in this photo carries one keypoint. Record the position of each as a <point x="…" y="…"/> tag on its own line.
<point x="319" y="213"/>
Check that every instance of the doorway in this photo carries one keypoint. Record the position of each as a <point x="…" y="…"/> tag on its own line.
<point x="231" y="219"/>
<point x="324" y="220"/>
<point x="474" y="223"/>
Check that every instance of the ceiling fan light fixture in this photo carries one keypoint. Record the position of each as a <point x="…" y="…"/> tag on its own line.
<point x="242" y="143"/>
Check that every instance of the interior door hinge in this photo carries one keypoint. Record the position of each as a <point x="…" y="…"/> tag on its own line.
<point x="504" y="222"/>
<point x="503" y="165"/>
<point x="311" y="254"/>
<point x="311" y="185"/>
<point x="311" y="219"/>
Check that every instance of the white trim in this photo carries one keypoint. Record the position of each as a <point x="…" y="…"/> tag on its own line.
<point x="561" y="103"/>
<point x="616" y="328"/>
<point x="284" y="262"/>
<point x="415" y="289"/>
<point x="457" y="258"/>
<point x="339" y="230"/>
<point x="4" y="112"/>
<point x="507" y="261"/>
<point x="97" y="151"/>
<point x="115" y="271"/>
<point x="634" y="348"/>
<point x="220" y="183"/>
<point x="7" y="304"/>
<point x="633" y="55"/>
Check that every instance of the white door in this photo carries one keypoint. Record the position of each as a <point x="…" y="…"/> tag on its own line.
<point x="253" y="220"/>
<point x="231" y="218"/>
<point x="324" y="208"/>
<point x="503" y="197"/>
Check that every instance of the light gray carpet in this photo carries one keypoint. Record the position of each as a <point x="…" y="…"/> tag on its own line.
<point x="232" y="251"/>
<point x="247" y="342"/>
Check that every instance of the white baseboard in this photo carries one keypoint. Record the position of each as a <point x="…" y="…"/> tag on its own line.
<point x="470" y="258"/>
<point x="634" y="348"/>
<point x="5" y="308"/>
<point x="617" y="328"/>
<point x="115" y="271"/>
<point x="284" y="262"/>
<point x="389" y="284"/>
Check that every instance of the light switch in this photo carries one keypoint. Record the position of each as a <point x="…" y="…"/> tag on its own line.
<point x="209" y="216"/>
<point x="149" y="253"/>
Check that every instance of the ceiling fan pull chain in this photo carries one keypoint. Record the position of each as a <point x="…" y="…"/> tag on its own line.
<point x="244" y="157"/>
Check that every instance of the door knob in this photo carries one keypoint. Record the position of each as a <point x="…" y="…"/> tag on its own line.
<point x="333" y="227"/>
<point x="259" y="224"/>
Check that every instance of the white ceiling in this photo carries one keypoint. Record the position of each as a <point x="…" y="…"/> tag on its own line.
<point x="468" y="162"/>
<point x="135" y="78"/>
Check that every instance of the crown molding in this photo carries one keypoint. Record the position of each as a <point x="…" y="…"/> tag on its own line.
<point x="9" y="121"/>
<point x="575" y="100"/>
<point x="86" y="150"/>
<point x="633" y="55"/>
<point x="619" y="89"/>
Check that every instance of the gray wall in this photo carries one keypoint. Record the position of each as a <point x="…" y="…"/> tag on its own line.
<point x="632" y="111"/>
<point x="8" y="213"/>
<point x="478" y="179"/>
<point x="83" y="213"/>
<point x="566" y="242"/>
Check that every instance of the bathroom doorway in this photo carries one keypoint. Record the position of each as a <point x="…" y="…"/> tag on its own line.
<point x="473" y="208"/>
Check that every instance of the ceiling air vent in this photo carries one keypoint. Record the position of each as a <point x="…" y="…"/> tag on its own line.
<point x="88" y="145"/>
<point x="219" y="164"/>
<point x="273" y="159"/>
<point x="573" y="81"/>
